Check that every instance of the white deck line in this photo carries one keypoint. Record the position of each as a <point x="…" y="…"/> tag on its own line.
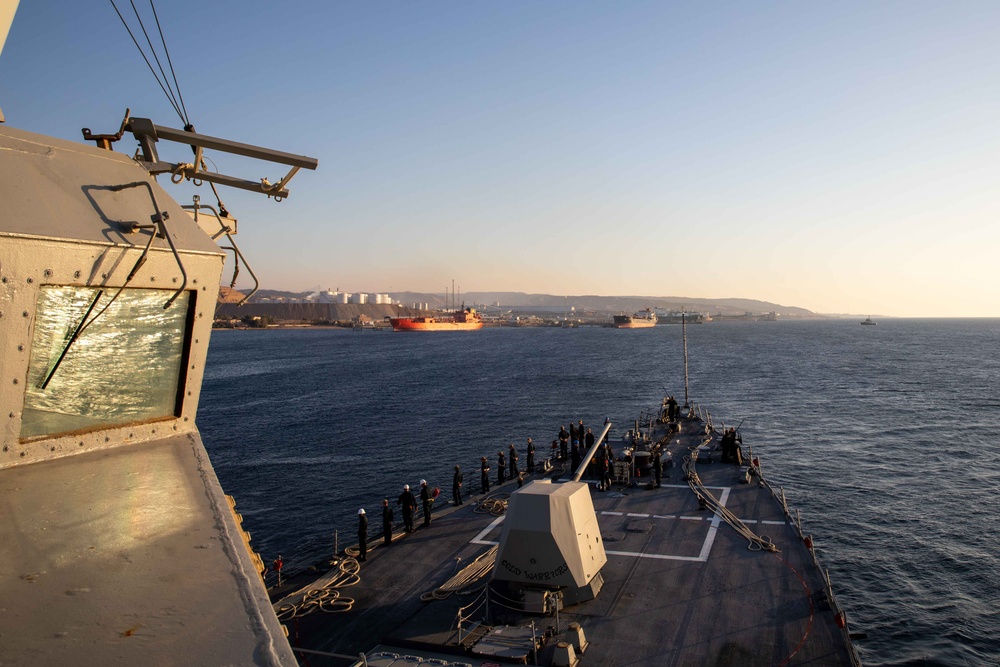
<point x="702" y="557"/>
<point x="774" y="523"/>
<point x="710" y="539"/>
<point x="478" y="539"/>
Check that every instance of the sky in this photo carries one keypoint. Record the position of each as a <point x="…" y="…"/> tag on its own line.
<point x="841" y="157"/>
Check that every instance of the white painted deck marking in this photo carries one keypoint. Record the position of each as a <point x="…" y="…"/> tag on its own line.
<point x="774" y="523"/>
<point x="646" y="516"/>
<point x="706" y="546"/>
<point x="710" y="539"/>
<point x="478" y="539"/>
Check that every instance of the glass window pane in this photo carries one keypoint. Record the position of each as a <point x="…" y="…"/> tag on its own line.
<point x="126" y="366"/>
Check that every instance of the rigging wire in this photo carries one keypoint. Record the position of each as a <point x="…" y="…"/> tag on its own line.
<point x="173" y="73"/>
<point x="173" y="92"/>
<point x="175" y="99"/>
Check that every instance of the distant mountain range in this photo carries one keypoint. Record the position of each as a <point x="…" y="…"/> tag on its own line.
<point x="553" y="303"/>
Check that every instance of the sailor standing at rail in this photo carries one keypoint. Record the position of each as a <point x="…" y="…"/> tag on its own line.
<point x="362" y="534"/>
<point x="513" y="461"/>
<point x="531" y="456"/>
<point x="386" y="522"/>
<point x="501" y="467"/>
<point x="409" y="503"/>
<point x="563" y="443"/>
<point x="456" y="486"/>
<point x="426" y="500"/>
<point x="484" y="472"/>
<point x="657" y="468"/>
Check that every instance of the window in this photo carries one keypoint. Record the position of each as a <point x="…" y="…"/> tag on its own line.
<point x="125" y="366"/>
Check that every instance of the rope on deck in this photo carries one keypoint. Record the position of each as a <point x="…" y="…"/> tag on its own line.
<point x="495" y="504"/>
<point x="465" y="578"/>
<point x="757" y="542"/>
<point x="322" y="594"/>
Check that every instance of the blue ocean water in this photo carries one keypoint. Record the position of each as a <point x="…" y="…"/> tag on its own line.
<point x="884" y="437"/>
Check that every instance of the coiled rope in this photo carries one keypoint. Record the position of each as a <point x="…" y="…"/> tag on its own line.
<point x="757" y="542"/>
<point x="322" y="594"/>
<point x="466" y="578"/>
<point x="495" y="504"/>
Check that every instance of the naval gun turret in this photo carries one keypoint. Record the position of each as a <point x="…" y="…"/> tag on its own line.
<point x="550" y="547"/>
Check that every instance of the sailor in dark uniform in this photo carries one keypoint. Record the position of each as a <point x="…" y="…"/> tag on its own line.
<point x="386" y="522"/>
<point x="563" y="443"/>
<point x="575" y="456"/>
<point x="426" y="500"/>
<point x="484" y="471"/>
<point x="531" y="456"/>
<point x="513" y="461"/>
<point x="657" y="468"/>
<point x="362" y="534"/>
<point x="501" y="467"/>
<point x="456" y="486"/>
<point x="589" y="438"/>
<point x="409" y="503"/>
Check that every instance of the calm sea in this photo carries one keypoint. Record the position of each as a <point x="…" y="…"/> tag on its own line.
<point x="886" y="439"/>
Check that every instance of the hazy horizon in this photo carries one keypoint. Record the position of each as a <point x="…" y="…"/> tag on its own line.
<point x="836" y="157"/>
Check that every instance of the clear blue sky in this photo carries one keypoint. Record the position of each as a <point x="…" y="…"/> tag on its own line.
<point x="842" y="157"/>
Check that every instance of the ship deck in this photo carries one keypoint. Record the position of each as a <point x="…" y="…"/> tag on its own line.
<point x="682" y="587"/>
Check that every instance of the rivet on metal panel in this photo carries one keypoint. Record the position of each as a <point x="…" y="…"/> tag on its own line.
<point x="22" y="453"/>
<point x="196" y="341"/>
<point x="192" y="366"/>
<point x="189" y="393"/>
<point x="5" y="448"/>
<point x="199" y="314"/>
<point x="107" y="439"/>
<point x="152" y="279"/>
<point x="11" y="415"/>
<point x="195" y="281"/>
<point x="4" y="279"/>
<point x="104" y="275"/>
<point x="15" y="380"/>
<point x="185" y="419"/>
<point x="174" y="279"/>
<point x="31" y="280"/>
<point x="81" y="444"/>
<point x="48" y="272"/>
<point x="20" y="348"/>
<point x="76" y="274"/>
<point x="154" y="430"/>
<point x="53" y="448"/>
<point x="24" y="314"/>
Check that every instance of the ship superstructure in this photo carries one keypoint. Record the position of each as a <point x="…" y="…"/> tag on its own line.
<point x="119" y="546"/>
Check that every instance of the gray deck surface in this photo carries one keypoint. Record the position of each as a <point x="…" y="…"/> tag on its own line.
<point x="681" y="587"/>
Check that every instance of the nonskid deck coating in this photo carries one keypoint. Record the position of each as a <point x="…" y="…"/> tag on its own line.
<point x="681" y="586"/>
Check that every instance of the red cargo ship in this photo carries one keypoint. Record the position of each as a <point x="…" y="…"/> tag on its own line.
<point x="461" y="320"/>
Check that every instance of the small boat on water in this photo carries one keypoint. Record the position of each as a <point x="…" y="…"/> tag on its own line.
<point x="869" y="321"/>
<point x="641" y="320"/>
<point x="466" y="319"/>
